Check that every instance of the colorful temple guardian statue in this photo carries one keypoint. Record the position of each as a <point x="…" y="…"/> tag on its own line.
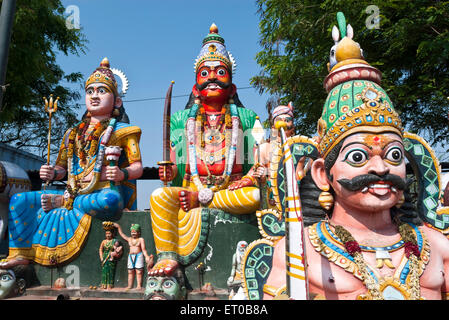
<point x="211" y="146"/>
<point x="50" y="226"/>
<point x="371" y="242"/>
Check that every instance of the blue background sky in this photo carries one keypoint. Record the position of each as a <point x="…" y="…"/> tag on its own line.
<point x="154" y="42"/>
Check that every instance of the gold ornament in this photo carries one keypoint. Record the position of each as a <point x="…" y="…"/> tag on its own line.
<point x="400" y="201"/>
<point x="326" y="199"/>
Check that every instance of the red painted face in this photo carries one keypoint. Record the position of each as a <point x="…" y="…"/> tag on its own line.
<point x="214" y="81"/>
<point x="362" y="154"/>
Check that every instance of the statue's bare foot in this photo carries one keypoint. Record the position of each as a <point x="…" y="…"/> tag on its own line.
<point x="13" y="262"/>
<point x="165" y="267"/>
<point x="51" y="201"/>
<point x="188" y="199"/>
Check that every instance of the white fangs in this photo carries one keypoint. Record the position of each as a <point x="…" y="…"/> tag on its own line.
<point x="213" y="86"/>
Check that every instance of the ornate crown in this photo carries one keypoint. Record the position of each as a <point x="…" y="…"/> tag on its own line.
<point x="374" y="114"/>
<point x="214" y="49"/>
<point x="104" y="74"/>
<point x="356" y="102"/>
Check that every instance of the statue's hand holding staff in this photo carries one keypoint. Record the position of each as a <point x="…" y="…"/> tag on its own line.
<point x="47" y="172"/>
<point x="114" y="174"/>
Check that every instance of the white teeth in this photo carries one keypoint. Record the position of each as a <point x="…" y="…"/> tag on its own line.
<point x="213" y="86"/>
<point x="379" y="185"/>
<point x="364" y="190"/>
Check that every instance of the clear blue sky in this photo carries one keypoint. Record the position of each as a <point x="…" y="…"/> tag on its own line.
<point x="154" y="42"/>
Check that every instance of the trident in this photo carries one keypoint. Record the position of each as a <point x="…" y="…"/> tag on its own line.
<point x="50" y="107"/>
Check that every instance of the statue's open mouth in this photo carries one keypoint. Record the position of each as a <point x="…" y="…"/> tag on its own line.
<point x="380" y="188"/>
<point x="213" y="86"/>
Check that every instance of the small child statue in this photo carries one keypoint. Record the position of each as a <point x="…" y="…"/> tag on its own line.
<point x="137" y="252"/>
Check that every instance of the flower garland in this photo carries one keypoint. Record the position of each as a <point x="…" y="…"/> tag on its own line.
<point x="90" y="140"/>
<point x="412" y="253"/>
<point x="77" y="134"/>
<point x="202" y="119"/>
<point x="206" y="194"/>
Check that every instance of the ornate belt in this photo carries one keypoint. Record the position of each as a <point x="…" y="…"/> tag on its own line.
<point x="214" y="180"/>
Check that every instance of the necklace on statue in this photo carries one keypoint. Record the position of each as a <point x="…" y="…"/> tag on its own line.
<point x="197" y="122"/>
<point x="341" y="248"/>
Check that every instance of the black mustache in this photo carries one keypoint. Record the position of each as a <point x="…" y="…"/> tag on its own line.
<point x="205" y="84"/>
<point x="162" y="294"/>
<point x="362" y="181"/>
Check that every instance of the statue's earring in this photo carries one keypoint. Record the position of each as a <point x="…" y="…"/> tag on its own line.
<point x="400" y="201"/>
<point x="326" y="199"/>
<point x="88" y="114"/>
<point x="116" y="112"/>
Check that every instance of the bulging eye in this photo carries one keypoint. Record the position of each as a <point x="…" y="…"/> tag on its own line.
<point x="221" y="72"/>
<point x="6" y="277"/>
<point x="168" y="284"/>
<point x="152" y="283"/>
<point x="356" y="157"/>
<point x="89" y="91"/>
<point x="204" y="73"/>
<point x="394" y="154"/>
<point x="102" y="90"/>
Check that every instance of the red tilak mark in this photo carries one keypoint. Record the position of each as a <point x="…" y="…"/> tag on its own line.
<point x="376" y="139"/>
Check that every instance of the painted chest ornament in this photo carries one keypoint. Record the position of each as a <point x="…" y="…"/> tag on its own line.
<point x="341" y="248"/>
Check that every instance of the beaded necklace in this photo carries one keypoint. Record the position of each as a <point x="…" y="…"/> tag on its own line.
<point x="409" y="273"/>
<point x="206" y="194"/>
<point x="74" y="181"/>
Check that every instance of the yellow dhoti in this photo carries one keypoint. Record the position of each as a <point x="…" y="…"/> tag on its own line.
<point x="179" y="232"/>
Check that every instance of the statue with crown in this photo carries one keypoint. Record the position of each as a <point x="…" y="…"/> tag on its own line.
<point x="101" y="158"/>
<point x="208" y="165"/>
<point x="351" y="228"/>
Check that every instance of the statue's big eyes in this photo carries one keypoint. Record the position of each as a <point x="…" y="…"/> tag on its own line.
<point x="89" y="91"/>
<point x="152" y="283"/>
<point x="6" y="277"/>
<point x="394" y="154"/>
<point x="204" y="73"/>
<point x="221" y="72"/>
<point x="356" y="157"/>
<point x="167" y="284"/>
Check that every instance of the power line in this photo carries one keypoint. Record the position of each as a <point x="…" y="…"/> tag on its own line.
<point x="162" y="98"/>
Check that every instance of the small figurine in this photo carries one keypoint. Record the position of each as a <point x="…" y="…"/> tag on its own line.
<point x="235" y="279"/>
<point x="137" y="252"/>
<point x="110" y="251"/>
